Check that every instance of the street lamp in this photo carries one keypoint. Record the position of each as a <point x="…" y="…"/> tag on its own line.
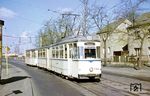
<point x="1" y="25"/>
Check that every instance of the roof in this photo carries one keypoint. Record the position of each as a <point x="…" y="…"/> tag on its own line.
<point x="142" y="20"/>
<point x="112" y="26"/>
<point x="70" y="39"/>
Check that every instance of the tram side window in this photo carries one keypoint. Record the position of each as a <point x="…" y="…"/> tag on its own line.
<point x="27" y="54"/>
<point x="90" y="53"/>
<point x="70" y="50"/>
<point x="61" y="51"/>
<point x="39" y="53"/>
<point x="33" y="54"/>
<point x="75" y="51"/>
<point x="65" y="51"/>
<point x="53" y="52"/>
<point x="57" y="52"/>
<point x="43" y="53"/>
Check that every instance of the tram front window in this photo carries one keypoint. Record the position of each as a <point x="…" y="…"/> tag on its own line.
<point x="90" y="53"/>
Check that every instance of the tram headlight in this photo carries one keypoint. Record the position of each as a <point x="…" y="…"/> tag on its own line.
<point x="91" y="69"/>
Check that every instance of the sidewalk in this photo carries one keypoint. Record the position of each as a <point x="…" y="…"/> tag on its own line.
<point x="16" y="83"/>
<point x="142" y="74"/>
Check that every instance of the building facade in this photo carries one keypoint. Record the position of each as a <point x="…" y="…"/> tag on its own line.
<point x="139" y="38"/>
<point x="125" y="40"/>
<point x="117" y="40"/>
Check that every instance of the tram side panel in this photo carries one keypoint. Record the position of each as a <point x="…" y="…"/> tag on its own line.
<point x="42" y="58"/>
<point x="34" y="58"/>
<point x="73" y="70"/>
<point x="60" y="66"/>
<point x="27" y="60"/>
<point x="42" y="62"/>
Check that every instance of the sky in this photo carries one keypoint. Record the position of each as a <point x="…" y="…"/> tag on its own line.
<point x="24" y="18"/>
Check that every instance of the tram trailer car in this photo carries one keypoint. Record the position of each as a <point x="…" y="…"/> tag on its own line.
<point x="31" y="57"/>
<point x="72" y="57"/>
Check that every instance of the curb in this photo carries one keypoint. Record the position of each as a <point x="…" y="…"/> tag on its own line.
<point x="17" y="82"/>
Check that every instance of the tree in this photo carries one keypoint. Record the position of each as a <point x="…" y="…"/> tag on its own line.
<point x="55" y="30"/>
<point x="100" y="19"/>
<point x="139" y="33"/>
<point x="129" y="9"/>
<point x="49" y="34"/>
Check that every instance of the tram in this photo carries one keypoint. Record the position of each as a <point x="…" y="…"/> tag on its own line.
<point x="73" y="57"/>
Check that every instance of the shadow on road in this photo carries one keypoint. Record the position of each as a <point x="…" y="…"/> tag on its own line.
<point x="13" y="79"/>
<point x="85" y="80"/>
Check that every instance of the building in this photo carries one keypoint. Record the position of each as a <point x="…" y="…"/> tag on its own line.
<point x="139" y="38"/>
<point x="115" y="35"/>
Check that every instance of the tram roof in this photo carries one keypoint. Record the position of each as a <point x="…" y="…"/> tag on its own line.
<point x="70" y="39"/>
<point x="77" y="39"/>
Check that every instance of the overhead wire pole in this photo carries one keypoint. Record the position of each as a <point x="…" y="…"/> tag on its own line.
<point x="73" y="23"/>
<point x="69" y="14"/>
<point x="1" y="25"/>
<point x="85" y="16"/>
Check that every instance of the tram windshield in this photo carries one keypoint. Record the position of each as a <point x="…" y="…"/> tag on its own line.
<point x="90" y="53"/>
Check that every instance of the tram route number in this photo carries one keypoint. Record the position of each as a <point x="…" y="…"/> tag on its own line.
<point x="135" y="87"/>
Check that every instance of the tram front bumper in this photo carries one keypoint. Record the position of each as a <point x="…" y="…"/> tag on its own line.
<point x="89" y="75"/>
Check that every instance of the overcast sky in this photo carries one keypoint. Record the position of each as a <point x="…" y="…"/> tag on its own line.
<point x="24" y="18"/>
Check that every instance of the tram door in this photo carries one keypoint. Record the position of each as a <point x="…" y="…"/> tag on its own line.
<point x="70" y="59"/>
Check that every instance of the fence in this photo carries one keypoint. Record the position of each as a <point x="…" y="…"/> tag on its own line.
<point x="130" y="59"/>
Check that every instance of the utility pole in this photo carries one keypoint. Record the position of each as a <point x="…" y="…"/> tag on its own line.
<point x="69" y="15"/>
<point x="1" y="25"/>
<point x="85" y="17"/>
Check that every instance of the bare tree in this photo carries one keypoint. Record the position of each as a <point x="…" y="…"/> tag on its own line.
<point x="55" y="30"/>
<point x="140" y="33"/>
<point x="129" y="9"/>
<point x="68" y="23"/>
<point x="100" y="19"/>
<point x="48" y="34"/>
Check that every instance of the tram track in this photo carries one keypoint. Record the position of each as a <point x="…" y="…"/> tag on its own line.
<point x="109" y="88"/>
<point x="105" y="87"/>
<point x="101" y="89"/>
<point x="125" y="86"/>
<point x="97" y="88"/>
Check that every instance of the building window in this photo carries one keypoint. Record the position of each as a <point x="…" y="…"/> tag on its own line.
<point x="137" y="50"/>
<point x="108" y="50"/>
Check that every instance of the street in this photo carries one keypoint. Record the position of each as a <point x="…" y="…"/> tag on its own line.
<point x="48" y="84"/>
<point x="75" y="48"/>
